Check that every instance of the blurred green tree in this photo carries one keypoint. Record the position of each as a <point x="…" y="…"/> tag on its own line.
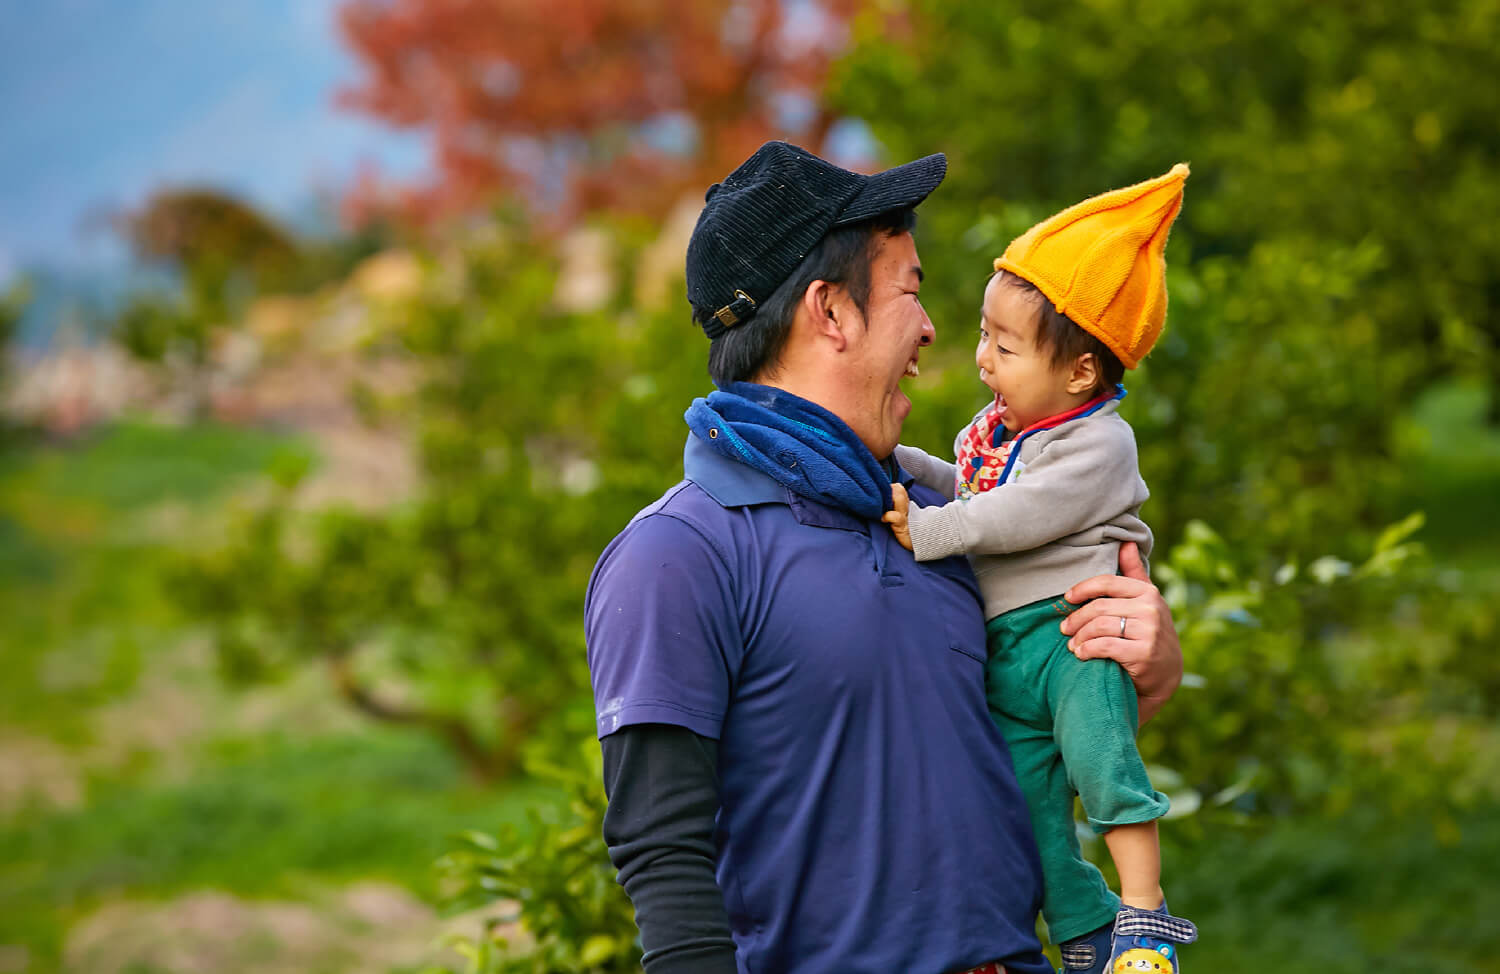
<point x="1333" y="255"/>
<point x="223" y="248"/>
<point x="540" y="432"/>
<point x="12" y="304"/>
<point x="223" y="251"/>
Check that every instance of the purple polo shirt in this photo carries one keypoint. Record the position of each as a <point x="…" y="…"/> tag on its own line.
<point x="870" y="819"/>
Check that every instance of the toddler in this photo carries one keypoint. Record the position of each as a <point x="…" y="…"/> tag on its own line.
<point x="1044" y="492"/>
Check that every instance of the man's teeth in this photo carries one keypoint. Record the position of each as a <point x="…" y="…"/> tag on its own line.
<point x="911" y="368"/>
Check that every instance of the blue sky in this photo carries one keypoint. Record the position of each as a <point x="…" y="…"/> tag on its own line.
<point x="103" y="100"/>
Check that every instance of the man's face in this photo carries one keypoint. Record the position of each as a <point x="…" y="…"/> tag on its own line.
<point x="896" y="329"/>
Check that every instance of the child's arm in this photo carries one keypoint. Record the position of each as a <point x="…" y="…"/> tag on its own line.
<point x="928" y="470"/>
<point x="1084" y="478"/>
<point x="1137" y="856"/>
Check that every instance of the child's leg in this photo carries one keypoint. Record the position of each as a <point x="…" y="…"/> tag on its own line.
<point x="1094" y="717"/>
<point x="1023" y="646"/>
<point x="1137" y="855"/>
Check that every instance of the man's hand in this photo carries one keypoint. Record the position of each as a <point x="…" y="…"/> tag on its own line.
<point x="896" y="517"/>
<point x="1126" y="620"/>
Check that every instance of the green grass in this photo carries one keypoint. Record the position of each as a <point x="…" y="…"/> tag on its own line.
<point x="138" y="463"/>
<point x="262" y="816"/>
<point x="271" y="814"/>
<point x="1340" y="897"/>
<point x="81" y="600"/>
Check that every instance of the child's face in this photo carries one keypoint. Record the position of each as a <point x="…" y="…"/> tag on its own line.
<point x="1027" y="385"/>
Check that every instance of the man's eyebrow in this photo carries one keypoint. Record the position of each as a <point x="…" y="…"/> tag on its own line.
<point x="916" y="269"/>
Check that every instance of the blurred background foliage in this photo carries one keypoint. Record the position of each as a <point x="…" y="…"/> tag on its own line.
<point x="232" y="667"/>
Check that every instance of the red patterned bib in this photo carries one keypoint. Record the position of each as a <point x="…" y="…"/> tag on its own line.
<point x="980" y="461"/>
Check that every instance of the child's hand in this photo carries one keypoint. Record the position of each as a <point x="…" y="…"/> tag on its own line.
<point x="896" y="517"/>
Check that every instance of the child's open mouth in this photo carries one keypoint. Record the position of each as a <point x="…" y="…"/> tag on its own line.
<point x="999" y="405"/>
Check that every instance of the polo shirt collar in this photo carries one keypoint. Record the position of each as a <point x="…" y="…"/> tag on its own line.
<point x="735" y="484"/>
<point x="730" y="483"/>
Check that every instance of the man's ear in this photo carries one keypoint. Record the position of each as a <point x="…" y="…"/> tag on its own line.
<point x="1085" y="373"/>
<point x="827" y="309"/>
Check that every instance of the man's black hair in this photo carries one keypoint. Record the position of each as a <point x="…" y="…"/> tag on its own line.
<point x="843" y="256"/>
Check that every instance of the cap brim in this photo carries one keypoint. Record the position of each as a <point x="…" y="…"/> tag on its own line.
<point x="895" y="189"/>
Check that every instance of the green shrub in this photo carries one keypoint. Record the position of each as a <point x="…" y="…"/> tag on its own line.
<point x="565" y="912"/>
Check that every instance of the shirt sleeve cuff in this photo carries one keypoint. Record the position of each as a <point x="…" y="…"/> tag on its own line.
<point x="613" y="718"/>
<point x="1148" y="808"/>
<point x="935" y="533"/>
<point x="705" y="960"/>
<point x="927" y="470"/>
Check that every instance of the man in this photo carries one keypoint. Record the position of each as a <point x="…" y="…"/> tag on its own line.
<point x="801" y="771"/>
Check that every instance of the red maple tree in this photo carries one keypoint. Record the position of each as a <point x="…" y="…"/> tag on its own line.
<point x="573" y="105"/>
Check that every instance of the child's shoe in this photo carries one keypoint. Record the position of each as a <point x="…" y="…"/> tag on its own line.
<point x="1088" y="954"/>
<point x="1146" y="941"/>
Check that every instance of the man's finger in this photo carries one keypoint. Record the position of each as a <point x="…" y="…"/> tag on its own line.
<point x="1108" y="586"/>
<point x="1105" y="647"/>
<point x="1132" y="565"/>
<point x="1139" y="634"/>
<point x="1085" y="614"/>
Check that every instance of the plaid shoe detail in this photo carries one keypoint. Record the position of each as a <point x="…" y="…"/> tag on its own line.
<point x="1077" y="957"/>
<point x="1131" y="922"/>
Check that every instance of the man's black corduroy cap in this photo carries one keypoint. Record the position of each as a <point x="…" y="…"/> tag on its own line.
<point x="764" y="218"/>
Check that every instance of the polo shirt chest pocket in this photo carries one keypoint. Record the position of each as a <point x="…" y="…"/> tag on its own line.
<point x="963" y="622"/>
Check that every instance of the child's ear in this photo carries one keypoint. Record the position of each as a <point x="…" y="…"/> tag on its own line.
<point x="1085" y="373"/>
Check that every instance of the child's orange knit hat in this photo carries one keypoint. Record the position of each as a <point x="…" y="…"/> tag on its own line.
<point x="1101" y="262"/>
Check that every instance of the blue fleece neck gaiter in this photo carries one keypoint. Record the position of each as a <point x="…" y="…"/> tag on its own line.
<point x="798" y="443"/>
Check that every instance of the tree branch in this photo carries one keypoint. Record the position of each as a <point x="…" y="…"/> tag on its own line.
<point x="486" y="763"/>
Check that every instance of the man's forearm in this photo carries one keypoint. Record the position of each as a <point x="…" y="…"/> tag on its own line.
<point x="659" y="826"/>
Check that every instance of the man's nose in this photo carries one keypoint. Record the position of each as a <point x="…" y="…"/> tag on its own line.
<point x="929" y="333"/>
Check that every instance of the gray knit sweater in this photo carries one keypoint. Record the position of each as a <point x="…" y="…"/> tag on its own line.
<point x="1073" y="496"/>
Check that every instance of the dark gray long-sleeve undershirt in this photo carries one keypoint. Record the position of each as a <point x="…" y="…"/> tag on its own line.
<point x="662" y="785"/>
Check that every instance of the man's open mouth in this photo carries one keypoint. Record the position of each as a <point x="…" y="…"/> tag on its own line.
<point x="912" y="371"/>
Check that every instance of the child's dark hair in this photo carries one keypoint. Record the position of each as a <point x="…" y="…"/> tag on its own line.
<point x="1067" y="341"/>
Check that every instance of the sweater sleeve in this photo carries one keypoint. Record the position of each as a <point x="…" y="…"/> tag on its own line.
<point x="1085" y="477"/>
<point x="928" y="470"/>
<point x="662" y="785"/>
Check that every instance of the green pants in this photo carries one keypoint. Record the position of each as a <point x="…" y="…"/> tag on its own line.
<point x="1071" y="729"/>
